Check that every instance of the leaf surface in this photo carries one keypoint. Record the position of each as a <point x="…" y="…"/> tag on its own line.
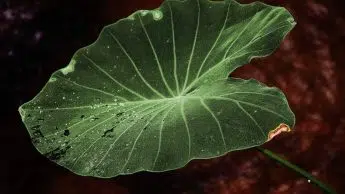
<point x="152" y="92"/>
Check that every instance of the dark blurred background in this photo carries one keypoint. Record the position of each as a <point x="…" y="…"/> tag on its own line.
<point x="38" y="37"/>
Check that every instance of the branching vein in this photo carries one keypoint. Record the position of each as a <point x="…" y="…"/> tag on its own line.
<point x="135" y="66"/>
<point x="156" y="57"/>
<point x="216" y="119"/>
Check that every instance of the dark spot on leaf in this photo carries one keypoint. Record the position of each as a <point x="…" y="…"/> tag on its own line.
<point x="57" y="153"/>
<point x="66" y="132"/>
<point x="40" y="119"/>
<point x="108" y="132"/>
<point x="82" y="116"/>
<point x="145" y="128"/>
<point x="119" y="114"/>
<point x="95" y="118"/>
<point x="35" y="127"/>
<point x="29" y="115"/>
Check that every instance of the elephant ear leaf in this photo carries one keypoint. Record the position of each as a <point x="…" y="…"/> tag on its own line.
<point x="153" y="92"/>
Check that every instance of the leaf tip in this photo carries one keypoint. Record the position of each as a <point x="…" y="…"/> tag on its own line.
<point x="292" y="21"/>
<point x="282" y="127"/>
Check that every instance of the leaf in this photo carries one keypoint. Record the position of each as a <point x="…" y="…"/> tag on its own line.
<point x="152" y="92"/>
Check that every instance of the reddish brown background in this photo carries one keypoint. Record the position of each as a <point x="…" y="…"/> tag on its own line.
<point x="39" y="36"/>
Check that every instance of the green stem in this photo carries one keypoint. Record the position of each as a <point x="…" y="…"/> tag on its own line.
<point x="308" y="176"/>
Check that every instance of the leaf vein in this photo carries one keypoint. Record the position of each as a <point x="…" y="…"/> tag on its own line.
<point x="187" y="128"/>
<point x="160" y="135"/>
<point x="136" y="140"/>
<point x="216" y="119"/>
<point x="222" y="95"/>
<point x="217" y="65"/>
<point x="239" y="35"/>
<point x="135" y="66"/>
<point x="112" y="78"/>
<point x="193" y="48"/>
<point x="156" y="57"/>
<point x="87" y="87"/>
<point x="174" y="48"/>
<point x="251" y="104"/>
<point x="101" y="137"/>
<point x="252" y="118"/>
<point x="124" y="131"/>
<point x="216" y="41"/>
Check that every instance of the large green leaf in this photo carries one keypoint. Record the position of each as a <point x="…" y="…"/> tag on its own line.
<point x="152" y="92"/>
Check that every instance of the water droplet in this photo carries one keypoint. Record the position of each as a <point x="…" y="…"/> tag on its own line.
<point x="63" y="98"/>
<point x="309" y="181"/>
<point x="157" y="14"/>
<point x="108" y="46"/>
<point x="66" y="132"/>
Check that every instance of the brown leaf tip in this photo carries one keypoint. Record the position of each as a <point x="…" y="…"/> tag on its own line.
<point x="281" y="128"/>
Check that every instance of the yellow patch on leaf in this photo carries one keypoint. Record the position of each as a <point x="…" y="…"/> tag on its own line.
<point x="281" y="128"/>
